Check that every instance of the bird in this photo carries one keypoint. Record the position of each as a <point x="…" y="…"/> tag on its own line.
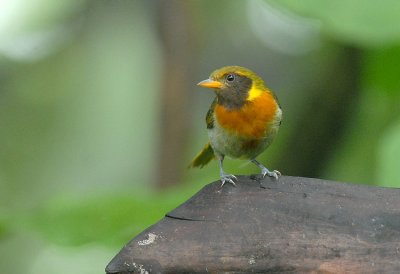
<point x="242" y="121"/>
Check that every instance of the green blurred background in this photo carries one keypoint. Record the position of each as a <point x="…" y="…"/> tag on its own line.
<point x="100" y="113"/>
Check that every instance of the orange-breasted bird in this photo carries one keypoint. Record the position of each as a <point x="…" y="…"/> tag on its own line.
<point x="242" y="121"/>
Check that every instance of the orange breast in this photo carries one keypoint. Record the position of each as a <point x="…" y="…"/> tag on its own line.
<point x="252" y="120"/>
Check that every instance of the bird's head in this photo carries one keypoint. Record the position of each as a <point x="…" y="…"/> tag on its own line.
<point x="235" y="86"/>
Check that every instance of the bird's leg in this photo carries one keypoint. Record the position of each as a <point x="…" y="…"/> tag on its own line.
<point x="225" y="177"/>
<point x="265" y="171"/>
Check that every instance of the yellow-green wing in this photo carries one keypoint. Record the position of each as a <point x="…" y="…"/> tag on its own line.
<point x="204" y="157"/>
<point x="210" y="115"/>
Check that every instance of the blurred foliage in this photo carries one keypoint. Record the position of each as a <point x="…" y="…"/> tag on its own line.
<point x="104" y="219"/>
<point x="82" y="88"/>
<point x="388" y="170"/>
<point x="363" y="23"/>
<point x="3" y="228"/>
<point x="381" y="71"/>
<point x="357" y="159"/>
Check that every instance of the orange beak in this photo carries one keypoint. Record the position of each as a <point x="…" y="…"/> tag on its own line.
<point x="208" y="83"/>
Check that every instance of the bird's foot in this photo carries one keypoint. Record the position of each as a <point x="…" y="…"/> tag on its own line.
<point x="264" y="171"/>
<point x="228" y="178"/>
<point x="275" y="174"/>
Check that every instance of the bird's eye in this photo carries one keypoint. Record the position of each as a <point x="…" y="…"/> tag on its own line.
<point x="230" y="77"/>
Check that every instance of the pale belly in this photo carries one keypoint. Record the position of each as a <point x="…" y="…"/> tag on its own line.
<point x="230" y="144"/>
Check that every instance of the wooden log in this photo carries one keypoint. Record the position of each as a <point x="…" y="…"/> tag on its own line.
<point x="293" y="225"/>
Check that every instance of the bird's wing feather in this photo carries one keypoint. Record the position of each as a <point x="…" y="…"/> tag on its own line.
<point x="204" y="157"/>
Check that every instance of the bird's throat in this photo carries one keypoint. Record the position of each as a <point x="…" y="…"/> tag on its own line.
<point x="252" y="119"/>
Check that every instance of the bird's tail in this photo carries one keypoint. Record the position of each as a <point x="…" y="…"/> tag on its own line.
<point x="204" y="157"/>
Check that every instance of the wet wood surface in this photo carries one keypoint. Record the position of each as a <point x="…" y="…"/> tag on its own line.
<point x="293" y="225"/>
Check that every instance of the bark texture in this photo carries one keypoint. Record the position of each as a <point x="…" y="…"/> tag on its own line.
<point x="293" y="225"/>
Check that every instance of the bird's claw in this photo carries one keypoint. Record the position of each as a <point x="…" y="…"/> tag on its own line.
<point x="228" y="178"/>
<point x="275" y="174"/>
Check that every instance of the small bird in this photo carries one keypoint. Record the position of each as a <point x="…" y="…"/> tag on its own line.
<point x="242" y="121"/>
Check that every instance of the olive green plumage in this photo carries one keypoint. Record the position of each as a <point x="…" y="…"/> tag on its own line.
<point x="204" y="157"/>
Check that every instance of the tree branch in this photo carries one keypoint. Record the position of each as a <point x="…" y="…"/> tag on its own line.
<point x="293" y="225"/>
